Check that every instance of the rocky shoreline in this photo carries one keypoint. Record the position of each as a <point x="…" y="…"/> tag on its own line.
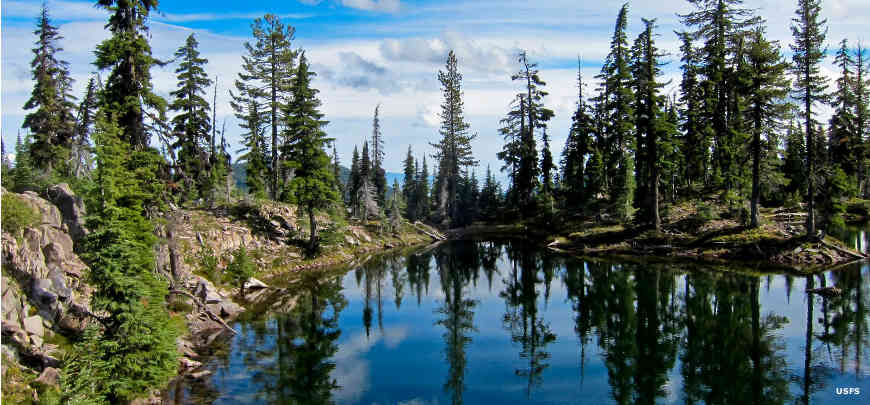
<point x="46" y="298"/>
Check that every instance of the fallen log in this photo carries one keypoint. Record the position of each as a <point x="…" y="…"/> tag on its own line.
<point x="842" y="250"/>
<point x="204" y="309"/>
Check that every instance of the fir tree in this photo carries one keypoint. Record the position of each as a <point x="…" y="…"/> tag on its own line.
<point x="128" y="91"/>
<point x="81" y="162"/>
<point x="52" y="123"/>
<point x="616" y="102"/>
<point x="767" y="87"/>
<point x="353" y="181"/>
<point x="810" y="85"/>
<point x="650" y="120"/>
<point x="192" y="122"/>
<point x="409" y="186"/>
<point x="795" y="159"/>
<point x="844" y="141"/>
<point x="696" y="147"/>
<point x="720" y="24"/>
<point x="312" y="186"/>
<point x="379" y="178"/>
<point x="255" y="151"/>
<point x="576" y="148"/>
<point x="862" y="115"/>
<point x="267" y="69"/>
<point x="133" y="349"/>
<point x="336" y="171"/>
<point x="422" y="198"/>
<point x="453" y="151"/>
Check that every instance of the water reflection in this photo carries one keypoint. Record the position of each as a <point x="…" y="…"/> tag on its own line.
<point x="504" y="322"/>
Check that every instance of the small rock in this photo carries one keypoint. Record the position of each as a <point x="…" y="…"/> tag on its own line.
<point x="188" y="364"/>
<point x="254" y="284"/>
<point x="33" y="325"/>
<point x="230" y="309"/>
<point x="12" y="331"/>
<point x="49" y="376"/>
<point x="36" y="341"/>
<point x="200" y="374"/>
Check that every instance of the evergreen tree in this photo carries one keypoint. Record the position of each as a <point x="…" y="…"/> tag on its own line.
<point x="353" y="181"/>
<point x="336" y="171"/>
<point x="490" y="197"/>
<point x="533" y="116"/>
<point x="576" y="148"/>
<point x="617" y="101"/>
<point x="862" y="115"/>
<point x="52" y="123"/>
<point x="721" y="24"/>
<point x="650" y="120"/>
<point x="128" y="91"/>
<point x="453" y="151"/>
<point x="767" y="87"/>
<point x="23" y="174"/>
<point x="795" y="160"/>
<point x="379" y="177"/>
<point x="422" y="198"/>
<point x="255" y="151"/>
<point x="192" y="122"/>
<point x="312" y="186"/>
<point x="809" y="85"/>
<point x="697" y="142"/>
<point x="844" y="142"/>
<point x="267" y="69"/>
<point x="409" y="186"/>
<point x="80" y="162"/>
<point x="132" y="350"/>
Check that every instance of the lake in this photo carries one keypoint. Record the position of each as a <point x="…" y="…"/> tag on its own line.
<point x="503" y="322"/>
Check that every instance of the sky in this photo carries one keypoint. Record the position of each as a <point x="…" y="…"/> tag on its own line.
<point x="388" y="52"/>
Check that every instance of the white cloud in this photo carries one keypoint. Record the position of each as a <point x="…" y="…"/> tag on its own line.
<point x="390" y="6"/>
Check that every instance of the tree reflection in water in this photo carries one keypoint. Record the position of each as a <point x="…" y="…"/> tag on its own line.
<point x="305" y="341"/>
<point x="658" y="333"/>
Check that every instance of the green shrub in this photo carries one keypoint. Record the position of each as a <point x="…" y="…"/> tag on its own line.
<point x="240" y="269"/>
<point x="208" y="264"/>
<point x="17" y="214"/>
<point x="705" y="211"/>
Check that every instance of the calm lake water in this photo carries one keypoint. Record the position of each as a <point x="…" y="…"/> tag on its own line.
<point x="506" y="323"/>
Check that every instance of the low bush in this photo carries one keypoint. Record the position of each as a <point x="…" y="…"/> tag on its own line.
<point x="17" y="214"/>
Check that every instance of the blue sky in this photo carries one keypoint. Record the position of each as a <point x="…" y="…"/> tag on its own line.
<point x="389" y="51"/>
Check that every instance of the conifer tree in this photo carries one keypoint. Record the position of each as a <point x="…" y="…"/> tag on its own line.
<point x="353" y="182"/>
<point x="453" y="150"/>
<point x="52" y="123"/>
<point x="795" y="160"/>
<point x="845" y="141"/>
<point x="576" y="148"/>
<point x="312" y="186"/>
<point x="81" y="156"/>
<point x="423" y="198"/>
<point x="810" y="85"/>
<point x="255" y="151"/>
<point x="379" y="178"/>
<point x="767" y="87"/>
<point x="336" y="171"/>
<point x="721" y="24"/>
<point x="23" y="174"/>
<point x="862" y="114"/>
<point x="617" y="103"/>
<point x="649" y="118"/>
<point x="267" y="69"/>
<point x="409" y="186"/>
<point x="128" y="91"/>
<point x="192" y="122"/>
<point x="696" y="147"/>
<point x="133" y="349"/>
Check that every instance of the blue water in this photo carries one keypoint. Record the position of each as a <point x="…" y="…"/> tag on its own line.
<point x="505" y="323"/>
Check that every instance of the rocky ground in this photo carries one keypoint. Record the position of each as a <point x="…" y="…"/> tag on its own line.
<point x="46" y="300"/>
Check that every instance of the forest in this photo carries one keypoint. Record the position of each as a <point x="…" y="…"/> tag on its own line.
<point x="744" y="132"/>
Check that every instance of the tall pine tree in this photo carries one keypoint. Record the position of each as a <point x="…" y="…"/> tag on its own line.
<point x="312" y="185"/>
<point x="809" y="87"/>
<point x="52" y="123"/>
